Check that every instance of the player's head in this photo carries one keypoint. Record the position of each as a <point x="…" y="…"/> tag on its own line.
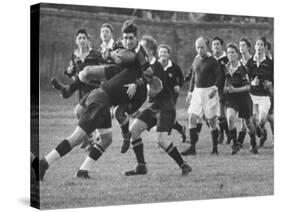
<point x="164" y="51"/>
<point x="260" y="45"/>
<point x="232" y="52"/>
<point x="129" y="33"/>
<point x="106" y="32"/>
<point x="201" y="46"/>
<point x="217" y="45"/>
<point x="244" y="45"/>
<point x="82" y="38"/>
<point x="150" y="44"/>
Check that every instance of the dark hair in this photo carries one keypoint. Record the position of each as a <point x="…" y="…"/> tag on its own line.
<point x="151" y="43"/>
<point x="233" y="46"/>
<point x="219" y="39"/>
<point x="165" y="46"/>
<point x="263" y="39"/>
<point x="206" y="40"/>
<point x="82" y="31"/>
<point x="130" y="27"/>
<point x="109" y="26"/>
<point x="246" y="40"/>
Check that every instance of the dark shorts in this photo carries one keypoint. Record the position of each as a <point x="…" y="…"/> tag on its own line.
<point x="164" y="119"/>
<point x="243" y="105"/>
<point x="137" y="100"/>
<point x="97" y="112"/>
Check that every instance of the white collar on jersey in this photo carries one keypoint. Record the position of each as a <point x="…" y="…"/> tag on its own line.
<point x="152" y="61"/>
<point x="256" y="58"/>
<point x="223" y="55"/>
<point x="109" y="45"/>
<point x="77" y="53"/>
<point x="207" y="55"/>
<point x="231" y="69"/>
<point x="138" y="48"/>
<point x="168" y="65"/>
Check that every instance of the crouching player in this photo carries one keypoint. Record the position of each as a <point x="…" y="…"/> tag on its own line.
<point x="238" y="99"/>
<point x="161" y="113"/>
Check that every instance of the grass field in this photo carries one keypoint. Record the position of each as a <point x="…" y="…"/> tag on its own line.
<point x="220" y="176"/>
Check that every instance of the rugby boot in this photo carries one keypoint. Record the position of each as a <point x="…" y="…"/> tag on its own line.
<point x="140" y="169"/>
<point x="185" y="169"/>
<point x="82" y="174"/>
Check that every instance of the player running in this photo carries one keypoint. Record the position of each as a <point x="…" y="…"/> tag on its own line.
<point x="160" y="113"/>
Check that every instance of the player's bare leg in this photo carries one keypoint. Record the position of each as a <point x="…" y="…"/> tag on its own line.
<point x="63" y="148"/>
<point x="231" y="120"/>
<point x="95" y="152"/>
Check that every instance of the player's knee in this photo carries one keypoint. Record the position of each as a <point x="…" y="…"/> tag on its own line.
<point x="192" y="120"/>
<point x="83" y="75"/>
<point x="136" y="129"/>
<point x="120" y="115"/>
<point x="77" y="137"/>
<point x="163" y="140"/>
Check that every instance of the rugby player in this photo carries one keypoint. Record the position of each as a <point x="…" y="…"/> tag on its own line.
<point x="237" y="98"/>
<point x="203" y="94"/>
<point x="97" y="112"/>
<point x="161" y="113"/>
<point x="174" y="78"/>
<point x="244" y="48"/>
<point x="260" y="69"/>
<point x="220" y="55"/>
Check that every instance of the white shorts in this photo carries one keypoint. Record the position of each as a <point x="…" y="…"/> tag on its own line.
<point x="261" y="104"/>
<point x="201" y="103"/>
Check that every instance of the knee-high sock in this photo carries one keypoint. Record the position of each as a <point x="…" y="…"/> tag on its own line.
<point x="215" y="135"/>
<point x="138" y="150"/>
<point x="178" y="127"/>
<point x="62" y="149"/>
<point x="233" y="135"/>
<point x="174" y="153"/>
<point x="193" y="134"/>
<point x="95" y="153"/>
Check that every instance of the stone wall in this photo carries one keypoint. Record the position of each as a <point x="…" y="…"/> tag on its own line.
<point x="58" y="27"/>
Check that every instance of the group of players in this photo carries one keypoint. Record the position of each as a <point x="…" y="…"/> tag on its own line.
<point x="123" y="74"/>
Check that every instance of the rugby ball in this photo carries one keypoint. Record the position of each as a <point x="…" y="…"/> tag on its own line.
<point x="127" y="57"/>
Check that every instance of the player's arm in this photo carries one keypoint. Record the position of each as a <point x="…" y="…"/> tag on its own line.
<point x="70" y="71"/>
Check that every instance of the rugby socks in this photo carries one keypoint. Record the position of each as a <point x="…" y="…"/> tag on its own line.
<point x="241" y="137"/>
<point x="223" y="125"/>
<point x="233" y="136"/>
<point x="138" y="150"/>
<point x="62" y="149"/>
<point x="178" y="127"/>
<point x="174" y="153"/>
<point x="95" y="153"/>
<point x="215" y="135"/>
<point x="193" y="132"/>
<point x="125" y="128"/>
<point x="199" y="127"/>
<point x="253" y="139"/>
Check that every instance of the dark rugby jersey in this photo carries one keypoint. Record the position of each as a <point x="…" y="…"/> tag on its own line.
<point x="206" y="73"/>
<point x="93" y="58"/>
<point x="264" y="71"/>
<point x="174" y="75"/>
<point x="115" y="86"/>
<point x="237" y="79"/>
<point x="164" y="98"/>
<point x="222" y="61"/>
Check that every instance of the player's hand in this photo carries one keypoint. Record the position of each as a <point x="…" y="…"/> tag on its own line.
<point x="225" y="90"/>
<point x="267" y="84"/>
<point x="231" y="89"/>
<point x="188" y="98"/>
<point x="69" y="69"/>
<point x="131" y="89"/>
<point x="255" y="81"/>
<point x="213" y="92"/>
<point x="177" y="89"/>
<point x="116" y="57"/>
